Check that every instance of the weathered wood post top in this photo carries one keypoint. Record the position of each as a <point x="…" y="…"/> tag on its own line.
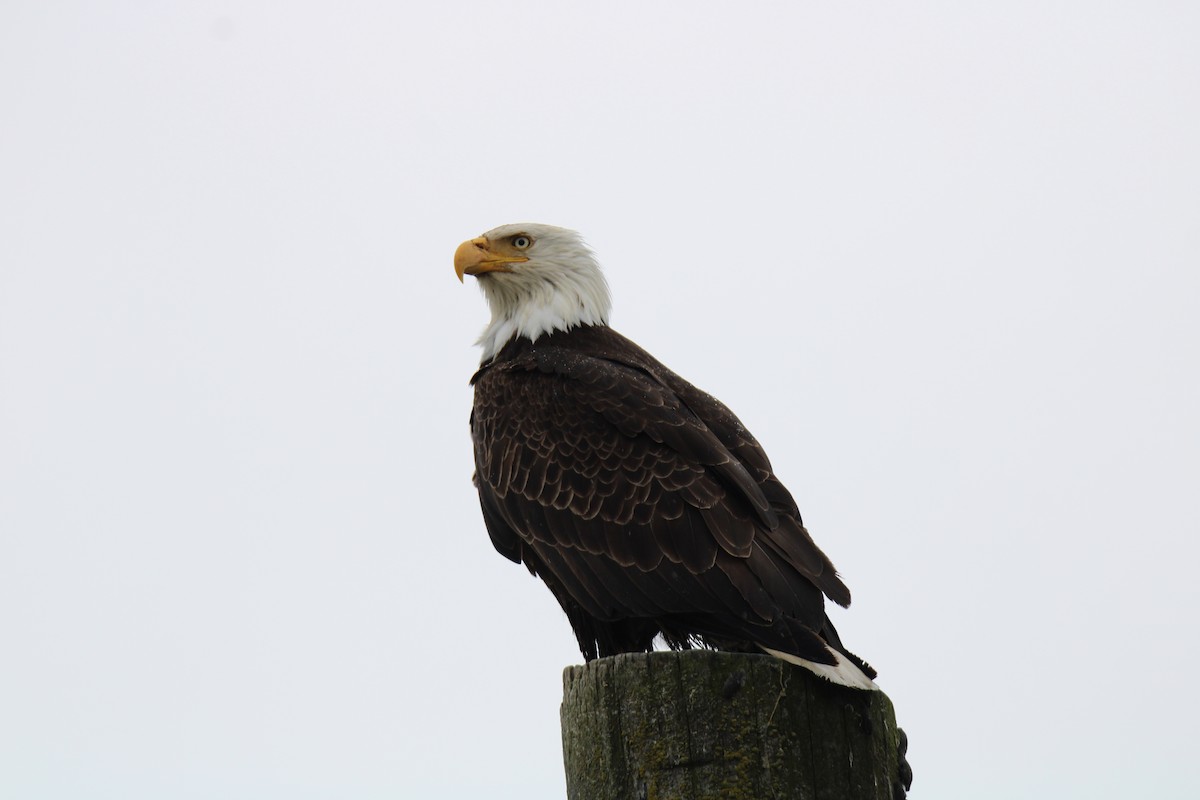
<point x="699" y="724"/>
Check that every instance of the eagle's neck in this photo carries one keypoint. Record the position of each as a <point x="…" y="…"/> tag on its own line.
<point x="540" y="303"/>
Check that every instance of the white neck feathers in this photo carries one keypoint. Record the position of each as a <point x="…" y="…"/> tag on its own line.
<point x="559" y="288"/>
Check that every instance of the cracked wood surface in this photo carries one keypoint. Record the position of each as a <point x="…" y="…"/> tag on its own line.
<point x="699" y="724"/>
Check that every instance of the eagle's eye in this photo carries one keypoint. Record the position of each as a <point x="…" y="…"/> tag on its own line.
<point x="522" y="242"/>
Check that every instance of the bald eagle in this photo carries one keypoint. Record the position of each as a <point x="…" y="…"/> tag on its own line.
<point x="642" y="502"/>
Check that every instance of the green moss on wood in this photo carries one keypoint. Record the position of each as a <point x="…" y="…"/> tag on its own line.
<point x="698" y="724"/>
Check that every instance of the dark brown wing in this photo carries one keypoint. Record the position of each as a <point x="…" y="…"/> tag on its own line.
<point x="637" y="496"/>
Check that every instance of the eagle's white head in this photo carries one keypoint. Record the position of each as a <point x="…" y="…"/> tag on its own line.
<point x="537" y="279"/>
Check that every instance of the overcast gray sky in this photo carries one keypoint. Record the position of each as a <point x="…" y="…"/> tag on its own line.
<point x="942" y="258"/>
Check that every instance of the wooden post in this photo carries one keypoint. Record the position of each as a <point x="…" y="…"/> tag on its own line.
<point x="699" y="724"/>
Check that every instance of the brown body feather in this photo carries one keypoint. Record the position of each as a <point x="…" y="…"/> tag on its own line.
<point x="643" y="503"/>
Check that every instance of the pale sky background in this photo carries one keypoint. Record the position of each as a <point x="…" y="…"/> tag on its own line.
<point x="942" y="258"/>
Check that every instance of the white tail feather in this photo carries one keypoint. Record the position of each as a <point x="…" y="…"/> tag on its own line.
<point x="844" y="672"/>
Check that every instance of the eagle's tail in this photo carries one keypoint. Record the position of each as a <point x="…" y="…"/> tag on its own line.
<point x="840" y="665"/>
<point x="843" y="671"/>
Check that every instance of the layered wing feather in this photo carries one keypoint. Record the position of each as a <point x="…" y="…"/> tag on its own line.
<point x="638" y="497"/>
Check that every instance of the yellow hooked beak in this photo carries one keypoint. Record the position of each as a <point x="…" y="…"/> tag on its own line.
<point x="477" y="256"/>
